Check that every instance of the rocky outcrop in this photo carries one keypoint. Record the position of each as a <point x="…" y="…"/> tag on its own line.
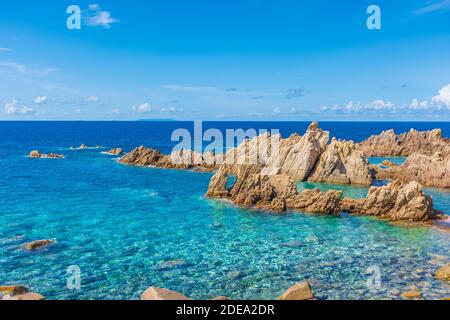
<point x="430" y="171"/>
<point x="38" y="244"/>
<point x="38" y="155"/>
<point x="390" y="144"/>
<point x="13" y="290"/>
<point x="444" y="273"/>
<point x="114" y="152"/>
<point x="300" y="291"/>
<point x="275" y="192"/>
<point x="181" y="159"/>
<point x="341" y="163"/>
<point x="18" y="293"/>
<point x="154" y="293"/>
<point x="31" y="296"/>
<point x="394" y="202"/>
<point x="85" y="147"/>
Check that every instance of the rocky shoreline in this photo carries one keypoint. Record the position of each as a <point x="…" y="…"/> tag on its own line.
<point x="269" y="182"/>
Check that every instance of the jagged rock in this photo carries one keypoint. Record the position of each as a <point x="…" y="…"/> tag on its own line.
<point x="430" y="171"/>
<point x="180" y="159"/>
<point x="300" y="291"/>
<point x="341" y="163"/>
<point x="444" y="273"/>
<point x="37" y="155"/>
<point x="13" y="290"/>
<point x="221" y="298"/>
<point x="389" y="144"/>
<point x="276" y="193"/>
<point x="395" y="202"/>
<point x="38" y="244"/>
<point x="114" y="152"/>
<point x="387" y="163"/>
<point x="154" y="293"/>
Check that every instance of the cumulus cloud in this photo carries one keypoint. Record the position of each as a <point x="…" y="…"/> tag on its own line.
<point x="443" y="99"/>
<point x="93" y="99"/>
<point x="143" y="108"/>
<point x="100" y="18"/>
<point x="11" y="108"/>
<point x="40" y="100"/>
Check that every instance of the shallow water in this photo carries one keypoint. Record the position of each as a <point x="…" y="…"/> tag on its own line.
<point x="129" y="228"/>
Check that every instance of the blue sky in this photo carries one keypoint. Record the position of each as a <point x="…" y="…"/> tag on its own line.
<point x="225" y="60"/>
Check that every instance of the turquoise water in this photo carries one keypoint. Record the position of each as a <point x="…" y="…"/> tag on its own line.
<point x="395" y="160"/>
<point x="129" y="228"/>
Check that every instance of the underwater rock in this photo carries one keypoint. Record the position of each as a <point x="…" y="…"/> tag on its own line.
<point x="389" y="144"/>
<point x="300" y="291"/>
<point x="154" y="293"/>
<point x="341" y="163"/>
<point x="37" y="155"/>
<point x="38" y="244"/>
<point x="411" y="295"/>
<point x="444" y="273"/>
<point x="171" y="264"/>
<point x="114" y="152"/>
<point x="396" y="201"/>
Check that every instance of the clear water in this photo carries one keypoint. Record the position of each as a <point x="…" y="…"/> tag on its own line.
<point x="395" y="160"/>
<point x="125" y="226"/>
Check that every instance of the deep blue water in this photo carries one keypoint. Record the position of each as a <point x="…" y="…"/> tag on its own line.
<point x="124" y="226"/>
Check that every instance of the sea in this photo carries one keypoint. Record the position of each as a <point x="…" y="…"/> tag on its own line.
<point x="121" y="229"/>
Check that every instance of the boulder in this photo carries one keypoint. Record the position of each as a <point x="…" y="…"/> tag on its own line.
<point x="396" y="201"/>
<point x="341" y="163"/>
<point x="31" y="296"/>
<point x="38" y="155"/>
<point x="154" y="293"/>
<point x="114" y="152"/>
<point x="38" y="244"/>
<point x="221" y="298"/>
<point x="13" y="290"/>
<point x="444" y="273"/>
<point x="411" y="295"/>
<point x="300" y="291"/>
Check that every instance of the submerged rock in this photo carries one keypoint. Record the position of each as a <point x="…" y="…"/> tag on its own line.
<point x="38" y="155"/>
<point x="38" y="244"/>
<point x="154" y="293"/>
<point x="443" y="273"/>
<point x="300" y="291"/>
<point x="389" y="144"/>
<point x="396" y="201"/>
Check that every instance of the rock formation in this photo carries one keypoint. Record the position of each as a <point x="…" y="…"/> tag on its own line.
<point x="18" y="293"/>
<point x="154" y="293"/>
<point x="389" y="144"/>
<point x="341" y="163"/>
<point x="181" y="159"/>
<point x="444" y="273"/>
<point x="37" y="155"/>
<point x="394" y="202"/>
<point x="430" y="171"/>
<point x="300" y="291"/>
<point x="275" y="192"/>
<point x="38" y="244"/>
<point x="114" y="152"/>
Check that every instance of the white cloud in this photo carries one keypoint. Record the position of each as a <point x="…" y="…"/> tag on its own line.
<point x="143" y="108"/>
<point x="100" y="18"/>
<point x="172" y="110"/>
<point x="93" y="99"/>
<point x="18" y="67"/>
<point x="277" y="110"/>
<point x="5" y="49"/>
<point x="24" y="70"/>
<point x="443" y="99"/>
<point x="439" y="6"/>
<point x="40" y="100"/>
<point x="114" y="112"/>
<point x="11" y="108"/>
<point x="419" y="105"/>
